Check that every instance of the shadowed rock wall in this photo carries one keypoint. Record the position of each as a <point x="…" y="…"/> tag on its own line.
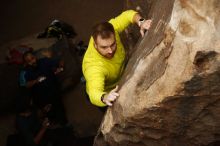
<point x="170" y="91"/>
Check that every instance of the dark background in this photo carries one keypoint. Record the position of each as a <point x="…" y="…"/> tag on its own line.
<point x="20" y="18"/>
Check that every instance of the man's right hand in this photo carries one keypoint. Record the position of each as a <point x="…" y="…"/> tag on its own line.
<point x="40" y="79"/>
<point x="46" y="123"/>
<point x="36" y="81"/>
<point x="110" y="97"/>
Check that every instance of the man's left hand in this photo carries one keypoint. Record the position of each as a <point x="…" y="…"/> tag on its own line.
<point x="145" y="26"/>
<point x="58" y="70"/>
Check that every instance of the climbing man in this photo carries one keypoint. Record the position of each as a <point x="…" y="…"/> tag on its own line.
<point x="103" y="62"/>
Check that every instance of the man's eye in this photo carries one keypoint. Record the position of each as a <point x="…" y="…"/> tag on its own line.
<point x="104" y="47"/>
<point x="113" y="45"/>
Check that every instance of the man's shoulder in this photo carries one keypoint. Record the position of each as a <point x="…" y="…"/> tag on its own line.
<point x="44" y="60"/>
<point x="92" y="61"/>
<point x="26" y="69"/>
<point x="91" y="55"/>
<point x="93" y="64"/>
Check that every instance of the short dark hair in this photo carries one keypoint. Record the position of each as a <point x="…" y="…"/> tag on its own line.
<point x="104" y="29"/>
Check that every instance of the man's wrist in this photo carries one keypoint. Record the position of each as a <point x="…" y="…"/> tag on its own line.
<point x="102" y="98"/>
<point x="36" y="81"/>
<point x="140" y="21"/>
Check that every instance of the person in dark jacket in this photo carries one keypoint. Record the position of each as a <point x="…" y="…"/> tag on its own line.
<point x="39" y="76"/>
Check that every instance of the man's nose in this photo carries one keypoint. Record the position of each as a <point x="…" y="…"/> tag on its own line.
<point x="109" y="50"/>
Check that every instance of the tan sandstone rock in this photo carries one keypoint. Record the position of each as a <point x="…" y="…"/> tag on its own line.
<point x="170" y="91"/>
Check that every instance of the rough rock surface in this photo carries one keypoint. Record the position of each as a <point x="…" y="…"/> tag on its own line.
<point x="170" y="91"/>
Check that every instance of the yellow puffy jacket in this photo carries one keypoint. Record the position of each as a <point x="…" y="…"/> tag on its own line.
<point x="102" y="74"/>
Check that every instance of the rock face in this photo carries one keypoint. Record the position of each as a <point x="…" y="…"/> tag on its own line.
<point x="170" y="91"/>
